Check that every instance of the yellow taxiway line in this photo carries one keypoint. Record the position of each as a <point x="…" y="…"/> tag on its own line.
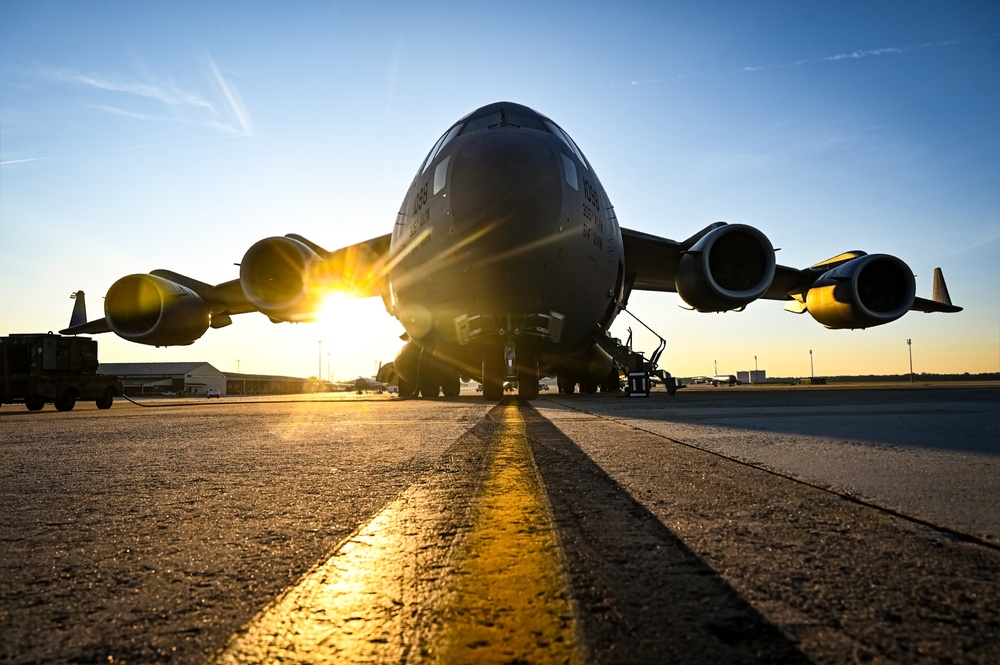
<point x="511" y="602"/>
<point x="434" y="578"/>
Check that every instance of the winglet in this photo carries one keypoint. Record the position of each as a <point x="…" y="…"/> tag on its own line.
<point x="79" y="316"/>
<point x="940" y="293"/>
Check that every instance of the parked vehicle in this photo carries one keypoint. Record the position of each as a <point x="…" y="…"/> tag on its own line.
<point x="39" y="368"/>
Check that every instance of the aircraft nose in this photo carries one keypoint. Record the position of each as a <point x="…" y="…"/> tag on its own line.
<point x="506" y="181"/>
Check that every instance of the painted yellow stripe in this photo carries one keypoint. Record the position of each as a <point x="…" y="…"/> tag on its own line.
<point x="511" y="603"/>
<point x="406" y="587"/>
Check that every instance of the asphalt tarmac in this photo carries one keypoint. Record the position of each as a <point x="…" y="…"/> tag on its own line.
<point x="715" y="526"/>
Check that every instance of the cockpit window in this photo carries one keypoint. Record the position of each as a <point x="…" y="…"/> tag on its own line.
<point x="504" y="116"/>
<point x="442" y="142"/>
<point x="555" y="129"/>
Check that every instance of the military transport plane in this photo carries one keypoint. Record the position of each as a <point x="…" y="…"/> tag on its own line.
<point x="506" y="262"/>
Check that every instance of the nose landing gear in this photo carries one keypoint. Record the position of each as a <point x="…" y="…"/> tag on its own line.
<point x="511" y="368"/>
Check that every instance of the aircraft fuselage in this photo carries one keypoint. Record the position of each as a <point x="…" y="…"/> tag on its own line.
<point x="506" y="244"/>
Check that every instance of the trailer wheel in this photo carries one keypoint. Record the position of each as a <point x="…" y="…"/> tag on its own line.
<point x="34" y="403"/>
<point x="66" y="402"/>
<point x="106" y="399"/>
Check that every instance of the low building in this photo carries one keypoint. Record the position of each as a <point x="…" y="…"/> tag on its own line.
<point x="752" y="376"/>
<point x="265" y="384"/>
<point x="181" y="379"/>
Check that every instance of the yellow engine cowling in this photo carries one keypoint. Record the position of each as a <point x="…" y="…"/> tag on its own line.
<point x="864" y="292"/>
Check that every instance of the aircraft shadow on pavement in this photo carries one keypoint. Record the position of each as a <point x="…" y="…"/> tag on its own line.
<point x="643" y="595"/>
<point x="965" y="421"/>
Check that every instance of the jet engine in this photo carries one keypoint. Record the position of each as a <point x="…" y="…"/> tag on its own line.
<point x="725" y="269"/>
<point x="867" y="291"/>
<point x="277" y="277"/>
<point x="151" y="310"/>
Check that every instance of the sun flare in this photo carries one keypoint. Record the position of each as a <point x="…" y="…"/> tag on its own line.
<point x="357" y="333"/>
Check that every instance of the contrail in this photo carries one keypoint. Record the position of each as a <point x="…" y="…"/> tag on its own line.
<point x="22" y="161"/>
<point x="235" y="104"/>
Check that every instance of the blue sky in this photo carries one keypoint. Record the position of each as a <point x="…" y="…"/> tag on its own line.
<point x="136" y="136"/>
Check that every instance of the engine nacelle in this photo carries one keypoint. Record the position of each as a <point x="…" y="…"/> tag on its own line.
<point x="726" y="269"/>
<point x="277" y="276"/>
<point x="151" y="310"/>
<point x="864" y="292"/>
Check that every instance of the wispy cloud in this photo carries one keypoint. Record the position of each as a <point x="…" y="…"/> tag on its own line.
<point x="218" y="107"/>
<point x="836" y="57"/>
<point x="986" y="236"/>
<point x="858" y="55"/>
<point x="866" y="53"/>
<point x="236" y="107"/>
<point x="119" y="83"/>
<point x="849" y="55"/>
<point x="214" y="105"/>
<point x="23" y="161"/>
<point x="640" y="82"/>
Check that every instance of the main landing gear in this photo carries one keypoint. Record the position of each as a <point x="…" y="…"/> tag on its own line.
<point x="436" y="378"/>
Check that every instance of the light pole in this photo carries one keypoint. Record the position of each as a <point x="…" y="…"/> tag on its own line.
<point x="909" y="346"/>
<point x="756" y="372"/>
<point x="237" y="365"/>
<point x="319" y="371"/>
<point x="811" y="374"/>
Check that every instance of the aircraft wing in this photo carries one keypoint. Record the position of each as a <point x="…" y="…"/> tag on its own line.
<point x="650" y="261"/>
<point x="651" y="264"/>
<point x="725" y="267"/>
<point x="285" y="278"/>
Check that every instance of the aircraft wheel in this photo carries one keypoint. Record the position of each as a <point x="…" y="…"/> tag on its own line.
<point x="493" y="378"/>
<point x="406" y="389"/>
<point x="34" y="403"/>
<point x="527" y="379"/>
<point x="566" y="384"/>
<point x="588" y="387"/>
<point x="66" y="402"/>
<point x="429" y="384"/>
<point x="451" y="386"/>
<point x="106" y="399"/>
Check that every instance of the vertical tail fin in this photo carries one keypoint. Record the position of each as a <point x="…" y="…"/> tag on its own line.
<point x="940" y="293"/>
<point x="79" y="316"/>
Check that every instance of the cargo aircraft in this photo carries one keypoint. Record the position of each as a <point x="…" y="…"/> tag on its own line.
<point x="506" y="262"/>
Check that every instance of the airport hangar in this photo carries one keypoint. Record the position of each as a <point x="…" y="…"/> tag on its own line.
<point x="195" y="379"/>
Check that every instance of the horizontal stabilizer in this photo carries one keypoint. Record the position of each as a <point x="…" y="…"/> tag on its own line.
<point x="941" y="300"/>
<point x="95" y="327"/>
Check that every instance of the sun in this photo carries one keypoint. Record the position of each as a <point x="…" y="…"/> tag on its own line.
<point x="357" y="334"/>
